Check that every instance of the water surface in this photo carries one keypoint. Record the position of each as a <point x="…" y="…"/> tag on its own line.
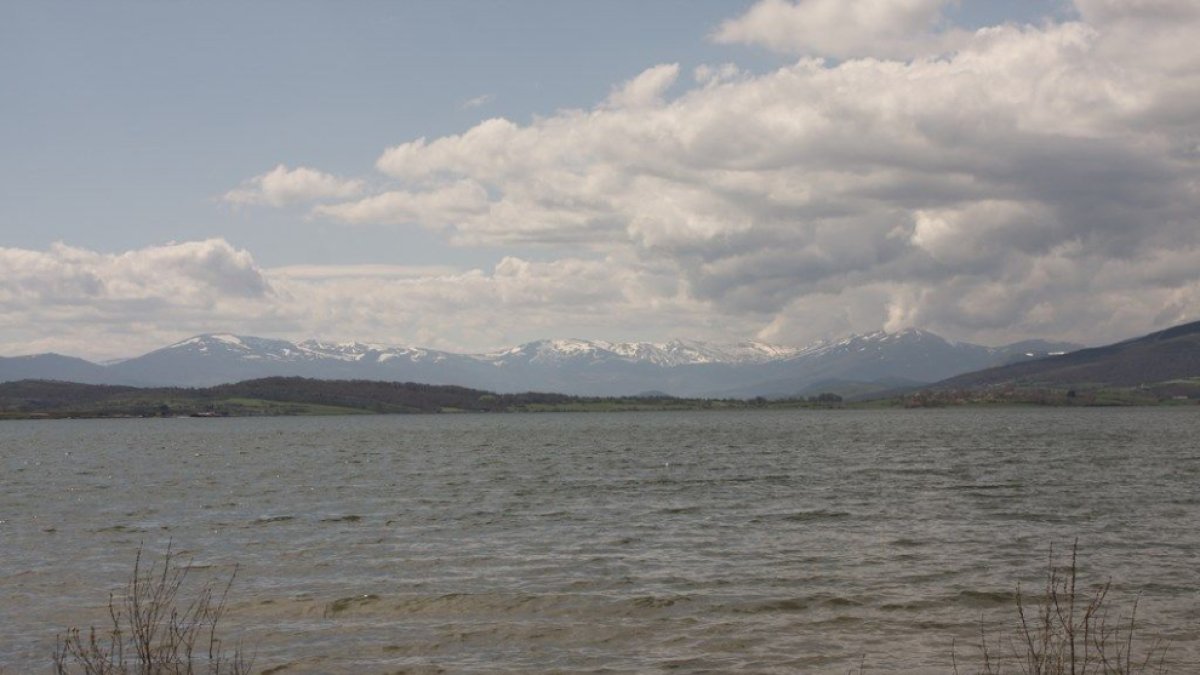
<point x="760" y="541"/>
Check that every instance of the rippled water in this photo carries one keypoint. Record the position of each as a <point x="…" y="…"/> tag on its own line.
<point x="756" y="541"/>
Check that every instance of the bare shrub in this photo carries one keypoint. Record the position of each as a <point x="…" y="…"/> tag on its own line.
<point x="1069" y="632"/>
<point x="153" y="630"/>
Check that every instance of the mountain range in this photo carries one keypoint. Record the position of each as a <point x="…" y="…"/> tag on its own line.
<point x="857" y="364"/>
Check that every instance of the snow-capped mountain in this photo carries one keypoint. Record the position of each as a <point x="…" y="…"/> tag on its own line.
<point x="206" y="360"/>
<point x="365" y="352"/>
<point x="666" y="354"/>
<point x="910" y="356"/>
<point x="248" y="348"/>
<point x="583" y="367"/>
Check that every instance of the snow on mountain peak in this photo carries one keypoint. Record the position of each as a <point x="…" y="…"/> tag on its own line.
<point x="228" y="339"/>
<point x="672" y="353"/>
<point x="367" y="351"/>
<point x="219" y="340"/>
<point x="675" y="352"/>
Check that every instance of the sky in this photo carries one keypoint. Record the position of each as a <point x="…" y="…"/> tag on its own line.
<point x="469" y="175"/>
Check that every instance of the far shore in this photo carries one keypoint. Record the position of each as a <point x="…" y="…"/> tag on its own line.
<point x="282" y="397"/>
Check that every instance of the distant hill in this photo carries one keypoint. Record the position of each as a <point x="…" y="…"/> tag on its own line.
<point x="53" y="367"/>
<point x="1169" y="355"/>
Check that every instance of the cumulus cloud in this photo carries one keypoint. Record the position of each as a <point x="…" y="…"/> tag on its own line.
<point x="709" y="75"/>
<point x="190" y="272"/>
<point x="1033" y="180"/>
<point x="843" y="28"/>
<point x="516" y="300"/>
<point x="105" y="305"/>
<point x="281" y="186"/>
<point x="443" y="205"/>
<point x="359" y="271"/>
<point x="646" y="89"/>
<point x="83" y="301"/>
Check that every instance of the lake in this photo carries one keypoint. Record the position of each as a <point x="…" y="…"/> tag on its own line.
<point x="753" y="541"/>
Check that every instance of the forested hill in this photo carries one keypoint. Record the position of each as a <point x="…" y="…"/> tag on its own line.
<point x="273" y="395"/>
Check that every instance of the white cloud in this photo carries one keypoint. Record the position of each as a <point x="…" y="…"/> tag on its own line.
<point x="516" y="300"/>
<point x="1028" y="149"/>
<point x="646" y="89"/>
<point x="103" y="305"/>
<point x="474" y="310"/>
<point x="201" y="271"/>
<point x="477" y="102"/>
<point x="712" y="75"/>
<point x="86" y="302"/>
<point x="360" y="271"/>
<point x="1037" y="180"/>
<point x="441" y="206"/>
<point x="281" y="186"/>
<point x="843" y="28"/>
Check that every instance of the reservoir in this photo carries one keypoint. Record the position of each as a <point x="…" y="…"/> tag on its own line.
<point x="759" y="541"/>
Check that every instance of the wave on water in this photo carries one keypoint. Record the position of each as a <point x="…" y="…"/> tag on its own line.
<point x="757" y="541"/>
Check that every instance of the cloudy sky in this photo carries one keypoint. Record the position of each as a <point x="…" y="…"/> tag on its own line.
<point x="468" y="175"/>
